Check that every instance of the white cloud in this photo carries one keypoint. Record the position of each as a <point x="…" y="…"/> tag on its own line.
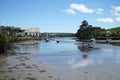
<point x="116" y="10"/>
<point x="99" y="11"/>
<point x="70" y="11"/>
<point x="117" y="19"/>
<point x="74" y="63"/>
<point x="105" y="20"/>
<point x="86" y="62"/>
<point x="81" y="8"/>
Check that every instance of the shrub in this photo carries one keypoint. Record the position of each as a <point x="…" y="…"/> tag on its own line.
<point x="4" y="41"/>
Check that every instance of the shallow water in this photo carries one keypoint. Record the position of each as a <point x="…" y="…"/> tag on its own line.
<point x="67" y="54"/>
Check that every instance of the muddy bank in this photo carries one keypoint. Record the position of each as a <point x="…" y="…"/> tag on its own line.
<point x="22" y="67"/>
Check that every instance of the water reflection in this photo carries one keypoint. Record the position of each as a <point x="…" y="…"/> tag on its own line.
<point x="68" y="54"/>
<point x="118" y="58"/>
<point x="84" y="51"/>
<point x="116" y="44"/>
<point x="86" y="46"/>
<point x="32" y="48"/>
<point x="85" y="55"/>
<point x="74" y="63"/>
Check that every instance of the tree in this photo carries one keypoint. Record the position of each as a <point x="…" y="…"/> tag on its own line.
<point x="84" y="32"/>
<point x="7" y="35"/>
<point x="3" y="42"/>
<point x="10" y="30"/>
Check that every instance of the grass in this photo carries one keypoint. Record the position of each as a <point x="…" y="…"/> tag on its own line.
<point x="114" y="30"/>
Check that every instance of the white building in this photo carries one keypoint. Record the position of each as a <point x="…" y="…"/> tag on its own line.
<point x="32" y="32"/>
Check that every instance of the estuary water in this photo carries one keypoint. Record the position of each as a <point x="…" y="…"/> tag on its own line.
<point x="67" y="54"/>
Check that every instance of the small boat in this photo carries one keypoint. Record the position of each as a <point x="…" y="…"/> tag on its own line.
<point x="47" y="40"/>
<point x="57" y="41"/>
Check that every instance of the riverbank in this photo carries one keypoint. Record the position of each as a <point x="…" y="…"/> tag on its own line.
<point x="6" y="41"/>
<point x="42" y="60"/>
<point x="23" y="67"/>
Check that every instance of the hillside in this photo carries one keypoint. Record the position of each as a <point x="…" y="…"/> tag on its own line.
<point x="114" y="30"/>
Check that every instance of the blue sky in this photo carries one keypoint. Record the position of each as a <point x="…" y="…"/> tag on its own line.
<point x="59" y="15"/>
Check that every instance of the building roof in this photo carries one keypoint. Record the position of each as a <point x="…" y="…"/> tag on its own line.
<point x="32" y="30"/>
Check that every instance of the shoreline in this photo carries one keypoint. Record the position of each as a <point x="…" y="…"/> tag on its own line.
<point x="22" y="67"/>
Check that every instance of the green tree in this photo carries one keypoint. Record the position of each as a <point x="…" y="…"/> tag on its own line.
<point x="10" y="30"/>
<point x="87" y="31"/>
<point x="4" y="41"/>
<point x="7" y="35"/>
<point x="98" y="32"/>
<point x="84" y="32"/>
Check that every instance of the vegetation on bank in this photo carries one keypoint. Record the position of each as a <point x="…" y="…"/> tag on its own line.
<point x="87" y="31"/>
<point x="115" y="30"/>
<point x="7" y="36"/>
<point x="3" y="42"/>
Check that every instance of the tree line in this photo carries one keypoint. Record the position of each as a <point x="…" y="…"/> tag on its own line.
<point x="87" y="31"/>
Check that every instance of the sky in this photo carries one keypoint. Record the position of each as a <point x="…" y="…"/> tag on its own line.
<point x="59" y="15"/>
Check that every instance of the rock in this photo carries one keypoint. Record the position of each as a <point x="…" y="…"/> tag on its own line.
<point x="30" y="78"/>
<point x="22" y="60"/>
<point x="29" y="73"/>
<point x="15" y="67"/>
<point x="10" y="71"/>
<point x="35" y="66"/>
<point x="50" y="76"/>
<point x="10" y="68"/>
<point x="86" y="72"/>
<point x="28" y="67"/>
<point x="42" y="71"/>
<point x="23" y="64"/>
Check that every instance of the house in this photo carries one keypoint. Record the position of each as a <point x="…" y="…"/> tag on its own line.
<point x="35" y="32"/>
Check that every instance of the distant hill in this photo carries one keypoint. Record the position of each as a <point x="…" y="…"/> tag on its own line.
<point x="60" y="34"/>
<point x="114" y="30"/>
<point x="64" y="34"/>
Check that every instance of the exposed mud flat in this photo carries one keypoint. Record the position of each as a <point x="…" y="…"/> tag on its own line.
<point x="22" y="67"/>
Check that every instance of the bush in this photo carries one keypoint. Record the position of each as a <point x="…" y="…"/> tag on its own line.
<point x="4" y="41"/>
